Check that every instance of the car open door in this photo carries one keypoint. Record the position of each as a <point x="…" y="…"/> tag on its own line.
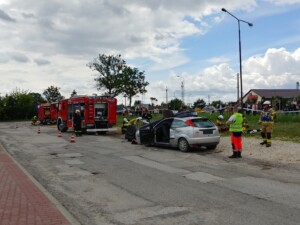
<point x="146" y="134"/>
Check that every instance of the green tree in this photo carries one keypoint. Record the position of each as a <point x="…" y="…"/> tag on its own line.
<point x="17" y="105"/>
<point x="74" y="93"/>
<point x="37" y="99"/>
<point x="217" y="103"/>
<point x="164" y="105"/>
<point x="110" y="68"/>
<point x="153" y="100"/>
<point x="175" y="104"/>
<point x="132" y="82"/>
<point x="52" y="94"/>
<point x="199" y="103"/>
<point x="137" y="103"/>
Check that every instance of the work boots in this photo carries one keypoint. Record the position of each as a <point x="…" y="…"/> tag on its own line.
<point x="234" y="155"/>
<point x="268" y="145"/>
<point x="263" y="143"/>
<point x="239" y="154"/>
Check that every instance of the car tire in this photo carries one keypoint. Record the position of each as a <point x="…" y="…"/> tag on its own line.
<point x="130" y="133"/>
<point x="123" y="129"/>
<point x="183" y="145"/>
<point x="211" y="147"/>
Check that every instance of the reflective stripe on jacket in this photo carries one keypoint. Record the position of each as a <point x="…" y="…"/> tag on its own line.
<point x="267" y="117"/>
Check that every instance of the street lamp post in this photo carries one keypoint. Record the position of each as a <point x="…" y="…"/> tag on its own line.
<point x="240" y="52"/>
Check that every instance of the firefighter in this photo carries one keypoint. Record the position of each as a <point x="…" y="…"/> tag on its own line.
<point x="235" y="123"/>
<point x="245" y="124"/>
<point x="221" y="125"/>
<point x="77" y="123"/>
<point x="266" y="120"/>
<point x="34" y="121"/>
<point x="146" y="115"/>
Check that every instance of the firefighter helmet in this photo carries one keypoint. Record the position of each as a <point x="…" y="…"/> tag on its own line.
<point x="220" y="117"/>
<point x="267" y="103"/>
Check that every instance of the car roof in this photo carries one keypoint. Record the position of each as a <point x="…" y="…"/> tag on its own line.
<point x="191" y="118"/>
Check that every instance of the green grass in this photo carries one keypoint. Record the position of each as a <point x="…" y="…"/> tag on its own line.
<point x="286" y="127"/>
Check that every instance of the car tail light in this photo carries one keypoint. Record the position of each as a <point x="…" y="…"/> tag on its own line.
<point x="190" y="123"/>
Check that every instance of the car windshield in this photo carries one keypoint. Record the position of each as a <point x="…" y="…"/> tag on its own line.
<point x="203" y="123"/>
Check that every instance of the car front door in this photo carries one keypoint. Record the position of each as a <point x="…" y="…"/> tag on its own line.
<point x="162" y="131"/>
<point x="146" y="134"/>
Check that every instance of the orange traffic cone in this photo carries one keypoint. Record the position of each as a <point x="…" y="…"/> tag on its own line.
<point x="39" y="130"/>
<point x="72" y="138"/>
<point x="59" y="134"/>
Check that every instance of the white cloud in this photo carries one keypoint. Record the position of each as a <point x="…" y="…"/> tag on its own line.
<point x="54" y="40"/>
<point x="277" y="68"/>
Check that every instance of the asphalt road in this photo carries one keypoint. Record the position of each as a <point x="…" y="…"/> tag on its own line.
<point x="106" y="180"/>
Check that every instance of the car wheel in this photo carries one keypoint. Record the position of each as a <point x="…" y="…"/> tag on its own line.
<point x="183" y="145"/>
<point x="211" y="147"/>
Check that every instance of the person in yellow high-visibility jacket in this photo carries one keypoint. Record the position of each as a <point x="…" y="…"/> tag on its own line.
<point x="266" y="120"/>
<point x="235" y="123"/>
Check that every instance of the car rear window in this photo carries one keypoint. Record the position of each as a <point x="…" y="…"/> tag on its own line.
<point x="203" y="123"/>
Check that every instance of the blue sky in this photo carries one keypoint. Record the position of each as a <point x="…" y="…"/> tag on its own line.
<point x="46" y="43"/>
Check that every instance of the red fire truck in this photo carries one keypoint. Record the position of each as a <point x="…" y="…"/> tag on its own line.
<point x="47" y="113"/>
<point x="98" y="113"/>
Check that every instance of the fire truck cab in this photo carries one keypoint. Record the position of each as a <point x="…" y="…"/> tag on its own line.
<point x="98" y="113"/>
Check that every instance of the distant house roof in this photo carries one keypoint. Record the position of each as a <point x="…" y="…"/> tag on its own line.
<point x="269" y="93"/>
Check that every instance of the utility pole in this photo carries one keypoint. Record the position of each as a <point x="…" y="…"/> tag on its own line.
<point x="238" y="86"/>
<point x="167" y="96"/>
<point x="182" y="91"/>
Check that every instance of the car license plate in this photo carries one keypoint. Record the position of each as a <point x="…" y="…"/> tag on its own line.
<point x="208" y="131"/>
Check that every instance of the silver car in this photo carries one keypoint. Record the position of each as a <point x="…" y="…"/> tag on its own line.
<point x="182" y="133"/>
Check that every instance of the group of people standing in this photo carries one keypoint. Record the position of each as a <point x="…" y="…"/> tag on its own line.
<point x="235" y="123"/>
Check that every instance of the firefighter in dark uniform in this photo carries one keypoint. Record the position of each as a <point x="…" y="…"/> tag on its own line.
<point x="266" y="120"/>
<point x="146" y="115"/>
<point x="77" y="123"/>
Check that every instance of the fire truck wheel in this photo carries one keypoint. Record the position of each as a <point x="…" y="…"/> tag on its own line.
<point x="130" y="133"/>
<point x="61" y="126"/>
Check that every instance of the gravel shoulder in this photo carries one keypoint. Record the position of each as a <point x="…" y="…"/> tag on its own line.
<point x="280" y="153"/>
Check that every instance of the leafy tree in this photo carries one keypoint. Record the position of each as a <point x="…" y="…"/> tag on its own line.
<point x="199" y="103"/>
<point x="132" y="82"/>
<point x="74" y="93"/>
<point x="17" y="105"/>
<point x="175" y="104"/>
<point x="52" y="94"/>
<point x="137" y="102"/>
<point x="164" y="106"/>
<point x="110" y="68"/>
<point x="153" y="100"/>
<point x="37" y="99"/>
<point x="217" y="103"/>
